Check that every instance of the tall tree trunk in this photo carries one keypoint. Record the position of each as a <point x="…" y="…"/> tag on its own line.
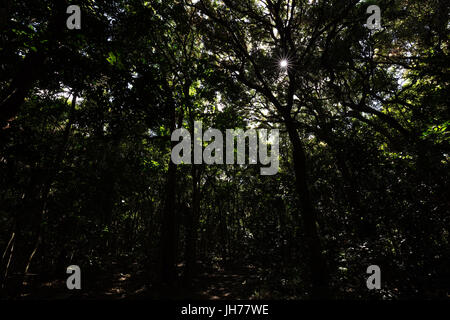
<point x="168" y="246"/>
<point x="192" y="225"/>
<point x="320" y="277"/>
<point x="169" y="235"/>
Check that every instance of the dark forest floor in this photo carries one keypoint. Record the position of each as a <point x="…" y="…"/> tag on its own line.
<point x="211" y="283"/>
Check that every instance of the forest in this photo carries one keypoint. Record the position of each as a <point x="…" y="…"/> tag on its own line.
<point x="94" y="95"/>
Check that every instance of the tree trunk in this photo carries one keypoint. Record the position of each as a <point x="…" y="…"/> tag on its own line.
<point x="192" y="225"/>
<point x="168" y="232"/>
<point x="320" y="277"/>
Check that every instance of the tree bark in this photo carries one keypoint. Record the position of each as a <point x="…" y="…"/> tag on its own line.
<point x="169" y="233"/>
<point x="192" y="225"/>
<point x="320" y="277"/>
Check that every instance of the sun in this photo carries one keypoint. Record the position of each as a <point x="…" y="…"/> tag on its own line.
<point x="284" y="63"/>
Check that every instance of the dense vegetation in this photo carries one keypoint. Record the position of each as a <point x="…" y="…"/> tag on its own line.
<point x="86" y="176"/>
